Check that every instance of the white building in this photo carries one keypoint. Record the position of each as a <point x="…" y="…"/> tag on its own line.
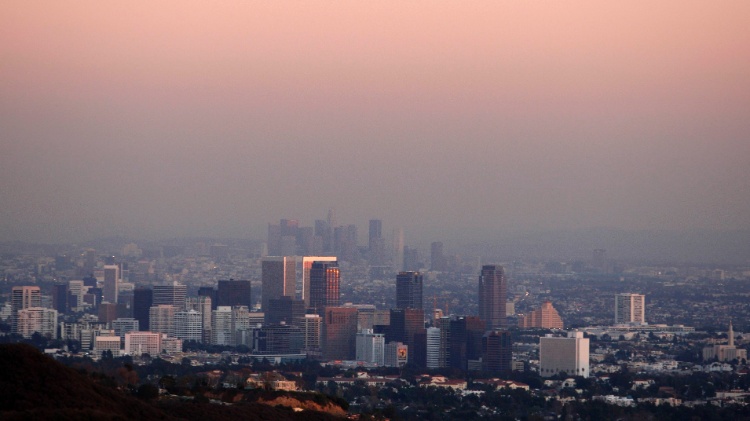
<point x="221" y="328"/>
<point x="188" y="325"/>
<point x="37" y="319"/>
<point x="564" y="354"/>
<point x="630" y="308"/>
<point x="311" y="327"/>
<point x="104" y="343"/>
<point x="203" y="306"/>
<point x="433" y="347"/>
<point x="370" y="347"/>
<point x="139" y="343"/>
<point x="728" y="352"/>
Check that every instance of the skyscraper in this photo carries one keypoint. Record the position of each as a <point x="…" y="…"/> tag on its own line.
<point x="143" y="299"/>
<point x="307" y="262"/>
<point x="172" y="294"/>
<point x="376" y="244"/>
<point x="324" y="285"/>
<point x="111" y="283"/>
<point x="437" y="258"/>
<point x="497" y="348"/>
<point x="409" y="290"/>
<point x="406" y="325"/>
<point x="279" y="279"/>
<point x="234" y="293"/>
<point x="630" y="308"/>
<point x="339" y="333"/>
<point x="493" y="293"/>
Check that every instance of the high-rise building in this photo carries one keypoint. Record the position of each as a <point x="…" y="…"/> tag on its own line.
<point x="161" y="318"/>
<point x="111" y="283"/>
<point x="311" y="331"/>
<point x="398" y="249"/>
<point x="409" y="290"/>
<point x="339" y="330"/>
<point x="307" y="262"/>
<point x="21" y="298"/>
<point x="234" y="293"/>
<point x="203" y="305"/>
<point x="221" y="327"/>
<point x="173" y="294"/>
<point x="37" y="319"/>
<point x="396" y="354"/>
<point x="279" y="278"/>
<point x="188" y="325"/>
<point x="208" y="292"/>
<point x="406" y="324"/>
<point x="493" y="292"/>
<point x="465" y="341"/>
<point x="324" y="285"/>
<point x="123" y="325"/>
<point x="569" y="355"/>
<point x="630" y="308"/>
<point x="77" y="290"/>
<point x="497" y="352"/>
<point x="437" y="258"/>
<point x="433" y="347"/>
<point x="143" y="299"/>
<point x="60" y="297"/>
<point x="545" y="317"/>
<point x="370" y="347"/>
<point x="285" y="310"/>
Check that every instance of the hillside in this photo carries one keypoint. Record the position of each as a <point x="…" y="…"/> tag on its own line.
<point x="34" y="386"/>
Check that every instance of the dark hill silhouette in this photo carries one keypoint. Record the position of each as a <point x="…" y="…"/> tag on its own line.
<point x="33" y="386"/>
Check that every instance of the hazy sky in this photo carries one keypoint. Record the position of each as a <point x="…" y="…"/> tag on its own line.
<point x="181" y="118"/>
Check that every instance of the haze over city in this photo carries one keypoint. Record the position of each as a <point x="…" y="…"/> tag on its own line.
<point x="184" y="119"/>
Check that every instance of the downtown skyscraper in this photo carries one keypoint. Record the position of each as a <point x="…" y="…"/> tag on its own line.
<point x="409" y="290"/>
<point x="324" y="285"/>
<point x="493" y="293"/>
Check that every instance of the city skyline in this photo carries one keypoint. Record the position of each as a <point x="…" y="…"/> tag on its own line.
<point x="174" y="120"/>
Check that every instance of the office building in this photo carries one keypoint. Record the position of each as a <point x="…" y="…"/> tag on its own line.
<point x="139" y="343"/>
<point x="279" y="279"/>
<point x="203" y="305"/>
<point x="312" y="326"/>
<point x="433" y="348"/>
<point x="124" y="325"/>
<point x="324" y="285"/>
<point x="107" y="343"/>
<point x="234" y="293"/>
<point x="188" y="325"/>
<point x="111" y="283"/>
<point x="464" y="336"/>
<point x="307" y="262"/>
<point x="285" y="310"/>
<point x="60" y="298"/>
<point x="143" y="300"/>
<point x="630" y="308"/>
<point x="569" y="355"/>
<point x="221" y="326"/>
<point x="339" y="330"/>
<point x="76" y="293"/>
<point x="493" y="291"/>
<point x="437" y="258"/>
<point x="370" y="347"/>
<point x="546" y="317"/>
<point x="409" y="290"/>
<point x="396" y="354"/>
<point x="405" y="326"/>
<point x="497" y="352"/>
<point x="173" y="294"/>
<point x="208" y="292"/>
<point x="161" y="318"/>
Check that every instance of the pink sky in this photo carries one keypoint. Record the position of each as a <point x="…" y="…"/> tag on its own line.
<point x="528" y="115"/>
